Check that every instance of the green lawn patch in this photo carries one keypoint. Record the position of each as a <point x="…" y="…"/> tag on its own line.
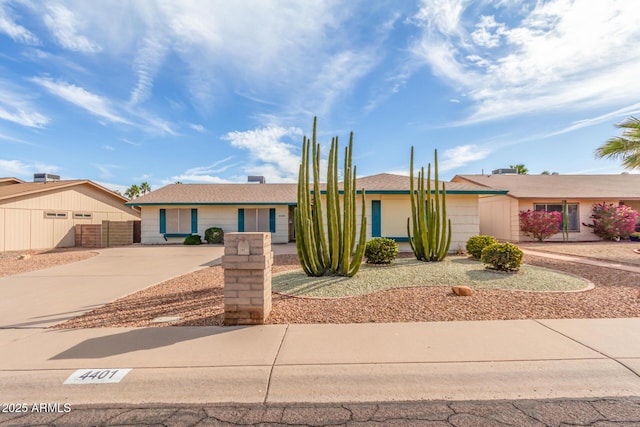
<point x="410" y="272"/>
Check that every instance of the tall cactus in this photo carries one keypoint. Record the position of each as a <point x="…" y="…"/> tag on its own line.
<point x="330" y="251"/>
<point x="431" y="235"/>
<point x="564" y="224"/>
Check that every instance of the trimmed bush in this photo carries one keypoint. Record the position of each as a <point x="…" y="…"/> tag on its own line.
<point x="214" y="235"/>
<point x="380" y="250"/>
<point x="611" y="222"/>
<point x="502" y="256"/>
<point x="476" y="244"/>
<point x="194" y="239"/>
<point x="540" y="225"/>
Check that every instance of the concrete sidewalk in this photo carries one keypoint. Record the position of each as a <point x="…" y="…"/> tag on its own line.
<point x="524" y="359"/>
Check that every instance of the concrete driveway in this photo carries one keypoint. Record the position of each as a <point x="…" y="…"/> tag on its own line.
<point x="43" y="298"/>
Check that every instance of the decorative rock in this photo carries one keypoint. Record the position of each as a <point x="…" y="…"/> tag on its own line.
<point x="463" y="291"/>
<point x="24" y="256"/>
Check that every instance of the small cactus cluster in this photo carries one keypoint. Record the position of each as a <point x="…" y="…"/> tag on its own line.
<point x="331" y="250"/>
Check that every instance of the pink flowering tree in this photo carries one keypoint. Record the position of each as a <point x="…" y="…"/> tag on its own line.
<point x="540" y="225"/>
<point x="612" y="222"/>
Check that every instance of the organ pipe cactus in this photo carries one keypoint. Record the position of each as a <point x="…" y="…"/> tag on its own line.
<point x="428" y="229"/>
<point x="564" y="225"/>
<point x="331" y="250"/>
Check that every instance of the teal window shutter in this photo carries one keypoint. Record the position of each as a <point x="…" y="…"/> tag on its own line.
<point x="272" y="220"/>
<point x="194" y="221"/>
<point x="163" y="220"/>
<point x="376" y="216"/>
<point x="240" y="220"/>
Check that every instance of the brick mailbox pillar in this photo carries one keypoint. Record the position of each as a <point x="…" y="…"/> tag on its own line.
<point x="247" y="264"/>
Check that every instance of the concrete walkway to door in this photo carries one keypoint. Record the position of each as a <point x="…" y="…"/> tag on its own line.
<point x="43" y="298"/>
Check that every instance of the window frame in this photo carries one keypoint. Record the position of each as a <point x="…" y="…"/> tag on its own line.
<point x="55" y="215"/>
<point x="577" y="213"/>
<point x="83" y="215"/>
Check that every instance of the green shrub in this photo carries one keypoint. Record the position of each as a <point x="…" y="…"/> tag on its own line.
<point x="502" y="256"/>
<point x="476" y="244"/>
<point x="380" y="250"/>
<point x="214" y="235"/>
<point x="194" y="239"/>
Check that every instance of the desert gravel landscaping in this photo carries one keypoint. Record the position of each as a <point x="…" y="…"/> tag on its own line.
<point x="10" y="262"/>
<point x="197" y="298"/>
<point x="609" y="251"/>
<point x="409" y="272"/>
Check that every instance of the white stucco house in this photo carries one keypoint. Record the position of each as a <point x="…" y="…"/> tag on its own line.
<point x="175" y="211"/>
<point x="499" y="212"/>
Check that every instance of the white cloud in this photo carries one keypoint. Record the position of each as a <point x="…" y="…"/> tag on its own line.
<point x="65" y="27"/>
<point x="207" y="174"/>
<point x="208" y="179"/>
<point x="107" y="147"/>
<point x="24" y="170"/>
<point x="269" y="155"/>
<point x="461" y="155"/>
<point x="16" y="31"/>
<point x="12" y="139"/>
<point x="150" y="57"/>
<point x="82" y="98"/>
<point x="488" y="32"/>
<point x="630" y="110"/>
<point x="557" y="55"/>
<point x="15" y="106"/>
<point x="105" y="170"/>
<point x="197" y="128"/>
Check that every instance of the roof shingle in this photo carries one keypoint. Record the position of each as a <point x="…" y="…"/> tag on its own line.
<point x="275" y="193"/>
<point x="623" y="186"/>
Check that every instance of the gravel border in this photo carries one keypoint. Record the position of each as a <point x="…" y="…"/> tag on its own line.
<point x="624" y="252"/>
<point x="11" y="263"/>
<point x="405" y="273"/>
<point x="197" y="298"/>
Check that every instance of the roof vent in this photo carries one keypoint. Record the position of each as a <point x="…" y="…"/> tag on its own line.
<point x="45" y="177"/>
<point x="258" y="179"/>
<point x="505" y="171"/>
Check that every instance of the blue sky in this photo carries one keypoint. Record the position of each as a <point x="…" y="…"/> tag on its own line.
<point x="212" y="91"/>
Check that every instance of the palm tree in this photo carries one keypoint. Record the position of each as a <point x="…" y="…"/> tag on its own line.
<point x="625" y="147"/>
<point x="520" y="168"/>
<point x="145" y="188"/>
<point x="132" y="192"/>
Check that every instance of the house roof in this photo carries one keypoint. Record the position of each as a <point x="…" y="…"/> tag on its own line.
<point x="33" y="188"/>
<point x="207" y="194"/>
<point x="10" y="180"/>
<point x="274" y="194"/>
<point x="399" y="184"/>
<point x="623" y="186"/>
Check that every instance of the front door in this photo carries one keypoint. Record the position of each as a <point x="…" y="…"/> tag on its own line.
<point x="292" y="228"/>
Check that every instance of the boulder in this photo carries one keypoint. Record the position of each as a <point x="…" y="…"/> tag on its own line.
<point x="24" y="256"/>
<point x="463" y="291"/>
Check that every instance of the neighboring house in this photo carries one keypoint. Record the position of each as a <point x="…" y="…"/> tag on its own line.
<point x="173" y="212"/>
<point x="40" y="215"/>
<point x="499" y="213"/>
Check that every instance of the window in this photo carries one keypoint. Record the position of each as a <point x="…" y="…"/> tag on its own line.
<point x="178" y="221"/>
<point x="261" y="219"/>
<point x="82" y="215"/>
<point x="55" y="215"/>
<point x="572" y="210"/>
